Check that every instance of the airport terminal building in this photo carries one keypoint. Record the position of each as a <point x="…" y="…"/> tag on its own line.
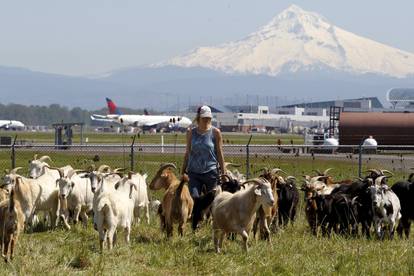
<point x="290" y="118"/>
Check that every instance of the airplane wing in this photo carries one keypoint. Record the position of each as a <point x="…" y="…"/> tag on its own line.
<point x="101" y="118"/>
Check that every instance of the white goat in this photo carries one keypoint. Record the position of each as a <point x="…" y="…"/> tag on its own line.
<point x="75" y="195"/>
<point x="139" y="196"/>
<point x="35" y="195"/>
<point x="235" y="213"/>
<point x="112" y="209"/>
<point x="386" y="207"/>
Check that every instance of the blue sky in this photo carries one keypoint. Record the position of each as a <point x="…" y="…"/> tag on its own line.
<point x="81" y="37"/>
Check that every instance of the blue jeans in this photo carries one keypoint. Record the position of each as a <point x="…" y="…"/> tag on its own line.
<point x="197" y="181"/>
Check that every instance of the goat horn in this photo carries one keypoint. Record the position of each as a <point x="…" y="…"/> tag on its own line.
<point x="318" y="172"/>
<point x="226" y="176"/>
<point x="276" y="170"/>
<point x="35" y="157"/>
<point x="167" y="165"/>
<point x="326" y="171"/>
<point x="258" y="181"/>
<point x="117" y="170"/>
<point x="379" y="180"/>
<point x="14" y="171"/>
<point x="44" y="158"/>
<point x="102" y="168"/>
<point x="71" y="173"/>
<point x="317" y="178"/>
<point x="290" y="177"/>
<point x="226" y="164"/>
<point x="386" y="171"/>
<point x="61" y="173"/>
<point x="374" y="171"/>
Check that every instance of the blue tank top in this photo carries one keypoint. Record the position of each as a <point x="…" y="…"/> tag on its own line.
<point x="203" y="155"/>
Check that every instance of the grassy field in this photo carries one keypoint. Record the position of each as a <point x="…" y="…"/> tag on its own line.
<point x="169" y="138"/>
<point x="292" y="250"/>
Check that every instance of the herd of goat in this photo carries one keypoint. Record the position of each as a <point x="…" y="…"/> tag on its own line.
<point x="117" y="200"/>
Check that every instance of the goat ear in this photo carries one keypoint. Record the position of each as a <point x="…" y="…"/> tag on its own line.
<point x="258" y="192"/>
<point x="133" y="186"/>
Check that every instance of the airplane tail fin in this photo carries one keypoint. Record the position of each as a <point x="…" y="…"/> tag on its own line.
<point x="112" y="108"/>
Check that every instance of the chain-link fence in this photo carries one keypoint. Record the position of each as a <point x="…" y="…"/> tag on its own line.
<point x="296" y="160"/>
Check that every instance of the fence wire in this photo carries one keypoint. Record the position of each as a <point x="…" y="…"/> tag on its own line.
<point x="296" y="160"/>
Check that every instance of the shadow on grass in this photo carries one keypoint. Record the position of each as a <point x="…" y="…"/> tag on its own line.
<point x="147" y="240"/>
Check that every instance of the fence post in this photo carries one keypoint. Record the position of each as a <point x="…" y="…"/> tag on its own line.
<point x="175" y="146"/>
<point x="248" y="157"/>
<point x="13" y="153"/>
<point x="360" y="159"/>
<point x="132" y="153"/>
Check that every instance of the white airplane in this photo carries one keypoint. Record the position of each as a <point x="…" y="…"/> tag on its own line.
<point x="11" y="124"/>
<point x="115" y="116"/>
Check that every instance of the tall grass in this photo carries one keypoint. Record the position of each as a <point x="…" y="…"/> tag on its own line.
<point x="291" y="251"/>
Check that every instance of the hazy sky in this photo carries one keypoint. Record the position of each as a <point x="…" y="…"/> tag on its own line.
<point x="80" y="37"/>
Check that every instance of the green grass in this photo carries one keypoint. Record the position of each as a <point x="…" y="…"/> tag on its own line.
<point x="292" y="251"/>
<point x="169" y="138"/>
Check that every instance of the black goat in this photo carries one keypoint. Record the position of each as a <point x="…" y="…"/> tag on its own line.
<point x="405" y="192"/>
<point x="288" y="196"/>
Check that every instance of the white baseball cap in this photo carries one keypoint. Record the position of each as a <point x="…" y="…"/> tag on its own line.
<point x="205" y="112"/>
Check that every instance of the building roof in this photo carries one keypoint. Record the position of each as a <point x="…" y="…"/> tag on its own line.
<point x="326" y="104"/>
<point x="401" y="95"/>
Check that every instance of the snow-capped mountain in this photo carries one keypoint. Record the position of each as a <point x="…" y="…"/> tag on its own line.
<point x="298" y="40"/>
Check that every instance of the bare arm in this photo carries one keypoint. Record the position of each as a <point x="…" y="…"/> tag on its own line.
<point x="187" y="151"/>
<point x="220" y="156"/>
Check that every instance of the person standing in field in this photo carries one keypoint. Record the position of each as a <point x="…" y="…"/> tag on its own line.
<point x="203" y="159"/>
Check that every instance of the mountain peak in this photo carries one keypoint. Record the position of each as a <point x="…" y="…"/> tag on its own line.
<point x="298" y="40"/>
<point x="295" y="20"/>
<point x="293" y="11"/>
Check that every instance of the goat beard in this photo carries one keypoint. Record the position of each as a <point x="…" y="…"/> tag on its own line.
<point x="64" y="203"/>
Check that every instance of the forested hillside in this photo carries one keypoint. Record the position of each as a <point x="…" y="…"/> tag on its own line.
<point x="47" y="115"/>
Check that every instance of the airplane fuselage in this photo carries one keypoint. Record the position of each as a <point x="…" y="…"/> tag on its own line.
<point x="145" y="120"/>
<point x="11" y="124"/>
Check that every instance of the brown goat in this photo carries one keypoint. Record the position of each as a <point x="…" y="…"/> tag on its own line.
<point x="12" y="224"/>
<point x="3" y="194"/>
<point x="177" y="204"/>
<point x="266" y="215"/>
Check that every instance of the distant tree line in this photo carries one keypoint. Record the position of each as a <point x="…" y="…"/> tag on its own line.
<point x="54" y="113"/>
